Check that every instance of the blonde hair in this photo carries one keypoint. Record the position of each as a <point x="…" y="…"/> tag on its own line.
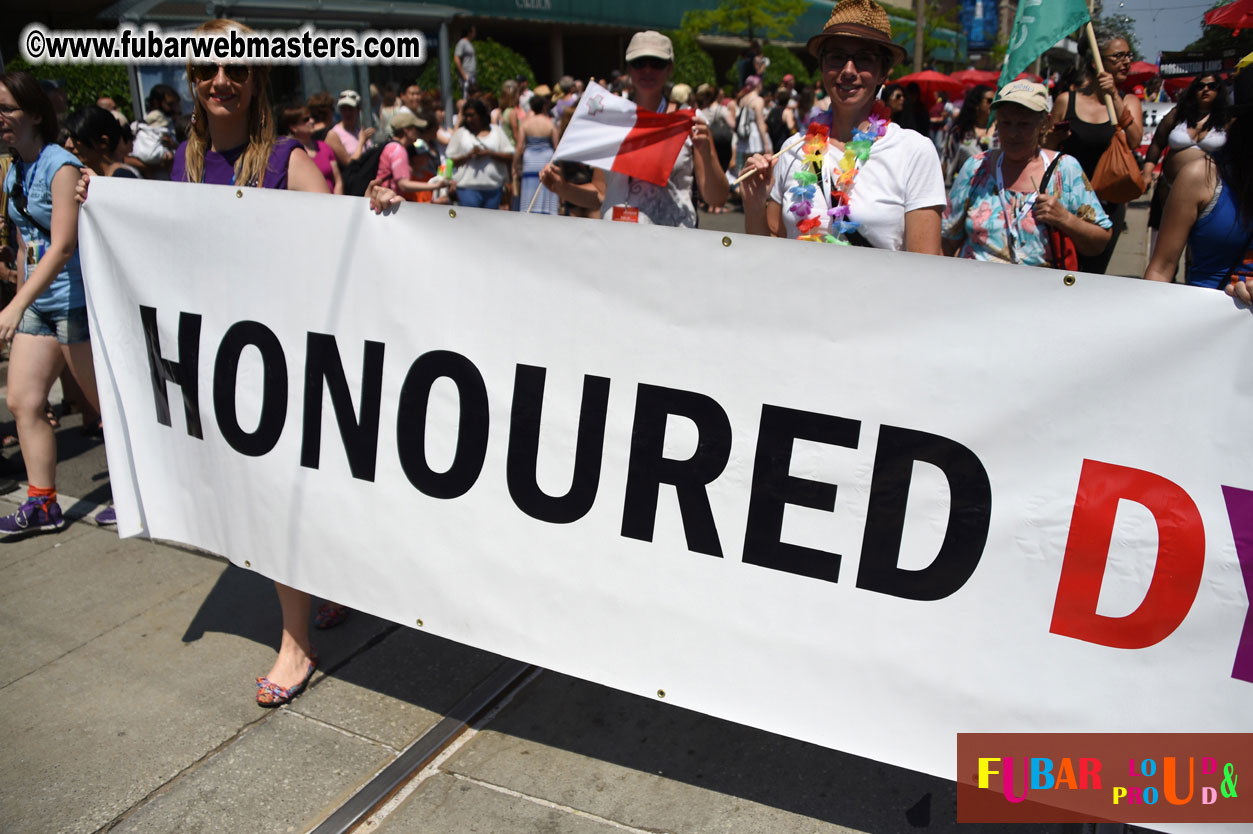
<point x="251" y="165"/>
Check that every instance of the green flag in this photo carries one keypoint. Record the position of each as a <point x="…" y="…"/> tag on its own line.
<point x="1037" y="27"/>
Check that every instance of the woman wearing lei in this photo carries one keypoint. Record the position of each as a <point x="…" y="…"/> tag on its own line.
<point x="854" y="178"/>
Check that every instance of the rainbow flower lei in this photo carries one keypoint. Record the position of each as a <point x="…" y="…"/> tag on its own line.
<point x="856" y="151"/>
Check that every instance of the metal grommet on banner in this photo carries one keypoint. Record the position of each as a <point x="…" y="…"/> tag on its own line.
<point x="726" y="241"/>
<point x="1069" y="280"/>
<point x="419" y="622"/>
<point x="661" y="693"/>
<point x="239" y="192"/>
<point x="247" y="564"/>
<point x="452" y="212"/>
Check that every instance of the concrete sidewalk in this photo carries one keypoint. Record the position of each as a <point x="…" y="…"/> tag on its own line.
<point x="126" y="671"/>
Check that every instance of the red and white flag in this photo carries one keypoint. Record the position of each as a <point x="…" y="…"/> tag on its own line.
<point x="610" y="132"/>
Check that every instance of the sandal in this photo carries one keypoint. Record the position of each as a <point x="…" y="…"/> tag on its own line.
<point x="51" y="416"/>
<point x="330" y="614"/>
<point x="270" y="694"/>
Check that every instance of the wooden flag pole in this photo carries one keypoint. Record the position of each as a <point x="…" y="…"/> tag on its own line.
<point x="773" y="157"/>
<point x="1100" y="67"/>
<point x="531" y="205"/>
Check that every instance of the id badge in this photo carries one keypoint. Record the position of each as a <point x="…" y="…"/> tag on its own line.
<point x="35" y="250"/>
<point x="626" y="214"/>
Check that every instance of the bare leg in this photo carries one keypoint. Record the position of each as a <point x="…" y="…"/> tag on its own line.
<point x="294" y="651"/>
<point x="34" y="363"/>
<point x="83" y="368"/>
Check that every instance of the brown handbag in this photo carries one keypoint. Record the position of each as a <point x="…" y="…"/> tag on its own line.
<point x="1117" y="175"/>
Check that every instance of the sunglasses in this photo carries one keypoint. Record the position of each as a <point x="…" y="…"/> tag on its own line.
<point x="237" y="73"/>
<point x="650" y="62"/>
<point x="1210" y="85"/>
<point x="835" y="59"/>
<point x="17" y="195"/>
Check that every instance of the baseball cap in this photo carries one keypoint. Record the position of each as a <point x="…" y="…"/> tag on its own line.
<point x="349" y="97"/>
<point x="1025" y="93"/>
<point x="650" y="44"/>
<point x="403" y="120"/>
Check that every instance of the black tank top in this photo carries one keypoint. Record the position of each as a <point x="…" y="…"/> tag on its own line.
<point x="1087" y="141"/>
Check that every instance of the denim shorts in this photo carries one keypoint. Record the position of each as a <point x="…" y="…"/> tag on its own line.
<point x="69" y="326"/>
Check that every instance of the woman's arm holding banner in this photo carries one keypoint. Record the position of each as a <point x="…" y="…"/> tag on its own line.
<point x="588" y="196"/>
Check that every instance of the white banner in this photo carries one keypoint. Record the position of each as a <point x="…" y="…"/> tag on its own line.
<point x="859" y="498"/>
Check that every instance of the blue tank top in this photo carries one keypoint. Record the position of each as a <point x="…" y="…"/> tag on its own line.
<point x="66" y="290"/>
<point x="1220" y="242"/>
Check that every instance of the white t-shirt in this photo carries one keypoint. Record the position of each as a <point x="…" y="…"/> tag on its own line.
<point x="669" y="206"/>
<point x="902" y="174"/>
<point x="480" y="172"/>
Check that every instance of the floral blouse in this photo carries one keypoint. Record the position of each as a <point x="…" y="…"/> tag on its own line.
<point x="1005" y="230"/>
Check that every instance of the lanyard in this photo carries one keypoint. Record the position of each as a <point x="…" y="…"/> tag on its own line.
<point x="1014" y="221"/>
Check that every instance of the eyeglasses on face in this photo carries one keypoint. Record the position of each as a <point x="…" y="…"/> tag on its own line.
<point x="237" y="73"/>
<point x="835" y="59"/>
<point x="1210" y="85"/>
<point x="1117" y="57"/>
<point x="648" y="61"/>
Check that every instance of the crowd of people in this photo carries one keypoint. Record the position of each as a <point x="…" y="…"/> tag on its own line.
<point x="1005" y="175"/>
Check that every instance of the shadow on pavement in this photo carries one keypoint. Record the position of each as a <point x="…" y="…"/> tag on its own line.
<point x="734" y="759"/>
<point x="613" y="727"/>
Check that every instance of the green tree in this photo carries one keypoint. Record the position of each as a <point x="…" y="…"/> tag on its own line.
<point x="936" y="18"/>
<point x="496" y="63"/>
<point x="84" y="83"/>
<point x="692" y="64"/>
<point x="746" y="18"/>
<point x="1215" y="39"/>
<point x="1125" y="27"/>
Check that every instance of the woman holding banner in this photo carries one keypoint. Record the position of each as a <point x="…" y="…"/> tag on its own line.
<point x="853" y="178"/>
<point x="1210" y="208"/>
<point x="650" y="59"/>
<point x="1014" y="204"/>
<point x="1085" y="113"/>
<point x="47" y="319"/>
<point x="232" y="141"/>
<point x="1193" y="128"/>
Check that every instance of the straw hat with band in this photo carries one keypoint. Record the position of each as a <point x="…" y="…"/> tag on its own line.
<point x="862" y="19"/>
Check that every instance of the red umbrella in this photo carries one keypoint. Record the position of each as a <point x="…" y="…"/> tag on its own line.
<point x="972" y="77"/>
<point x="931" y="82"/>
<point x="1237" y="15"/>
<point x="1176" y="85"/>
<point x="1026" y="76"/>
<point x="1140" y="72"/>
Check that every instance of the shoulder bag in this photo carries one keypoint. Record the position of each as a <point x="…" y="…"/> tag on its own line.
<point x="1117" y="176"/>
<point x="1065" y="255"/>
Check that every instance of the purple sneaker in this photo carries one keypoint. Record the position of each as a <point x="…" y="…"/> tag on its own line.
<point x="107" y="517"/>
<point x="35" y="516"/>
